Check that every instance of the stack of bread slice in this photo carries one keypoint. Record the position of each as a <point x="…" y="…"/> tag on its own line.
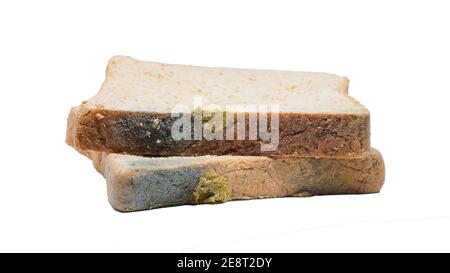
<point x="310" y="137"/>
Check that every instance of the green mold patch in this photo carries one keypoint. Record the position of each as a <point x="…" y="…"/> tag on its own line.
<point x="211" y="189"/>
<point x="209" y="119"/>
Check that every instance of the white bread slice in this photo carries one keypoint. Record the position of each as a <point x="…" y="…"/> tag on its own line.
<point x="133" y="85"/>
<point x="317" y="117"/>
<point x="140" y="183"/>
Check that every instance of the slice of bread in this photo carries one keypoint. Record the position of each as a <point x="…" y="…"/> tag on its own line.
<point x="132" y="112"/>
<point x="140" y="183"/>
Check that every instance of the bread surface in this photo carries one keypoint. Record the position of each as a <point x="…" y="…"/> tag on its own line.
<point x="140" y="183"/>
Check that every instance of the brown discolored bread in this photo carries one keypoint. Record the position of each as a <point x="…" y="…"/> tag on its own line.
<point x="314" y="135"/>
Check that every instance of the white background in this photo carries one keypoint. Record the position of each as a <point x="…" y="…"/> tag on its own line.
<point x="396" y="53"/>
